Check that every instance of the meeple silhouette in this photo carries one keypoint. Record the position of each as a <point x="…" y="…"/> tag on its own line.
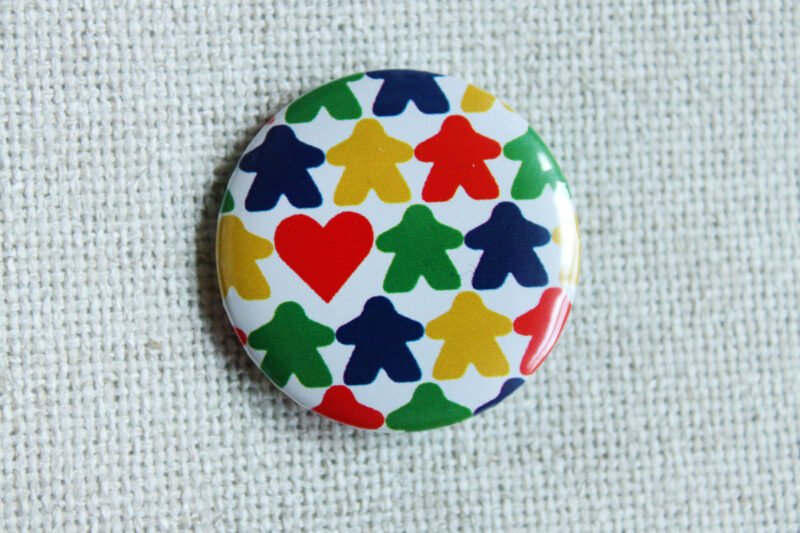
<point x="420" y="244"/>
<point x="281" y="165"/>
<point x="458" y="154"/>
<point x="507" y="240"/>
<point x="292" y="341"/>
<point x="379" y="335"/>
<point x="403" y="86"/>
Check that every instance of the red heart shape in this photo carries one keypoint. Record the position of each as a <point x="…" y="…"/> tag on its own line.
<point x="324" y="256"/>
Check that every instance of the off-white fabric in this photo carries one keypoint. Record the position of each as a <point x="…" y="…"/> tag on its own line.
<point x="672" y="402"/>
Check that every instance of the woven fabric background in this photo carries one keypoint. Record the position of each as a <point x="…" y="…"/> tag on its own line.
<point x="672" y="402"/>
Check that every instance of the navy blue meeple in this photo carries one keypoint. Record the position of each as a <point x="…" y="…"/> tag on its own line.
<point x="507" y="240"/>
<point x="403" y="86"/>
<point x="281" y="165"/>
<point x="380" y="335"/>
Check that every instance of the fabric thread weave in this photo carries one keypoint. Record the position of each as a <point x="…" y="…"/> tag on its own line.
<point x="671" y="403"/>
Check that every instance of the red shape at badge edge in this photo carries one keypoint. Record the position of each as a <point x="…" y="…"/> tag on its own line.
<point x="324" y="256"/>
<point x="544" y="324"/>
<point x="241" y="335"/>
<point x="340" y="404"/>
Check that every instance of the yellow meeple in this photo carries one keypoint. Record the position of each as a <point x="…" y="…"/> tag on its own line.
<point x="236" y="259"/>
<point x="370" y="157"/>
<point x="469" y="330"/>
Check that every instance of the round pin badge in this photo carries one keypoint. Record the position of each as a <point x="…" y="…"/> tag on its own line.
<point x="398" y="250"/>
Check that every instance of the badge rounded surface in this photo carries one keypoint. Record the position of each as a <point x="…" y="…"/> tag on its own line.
<point x="398" y="250"/>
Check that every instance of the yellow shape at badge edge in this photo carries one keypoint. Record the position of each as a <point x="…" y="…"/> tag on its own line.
<point x="237" y="252"/>
<point x="476" y="100"/>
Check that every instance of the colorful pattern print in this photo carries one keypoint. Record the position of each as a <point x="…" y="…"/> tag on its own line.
<point x="398" y="250"/>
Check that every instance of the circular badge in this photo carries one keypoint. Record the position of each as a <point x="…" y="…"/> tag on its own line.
<point x="397" y="250"/>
